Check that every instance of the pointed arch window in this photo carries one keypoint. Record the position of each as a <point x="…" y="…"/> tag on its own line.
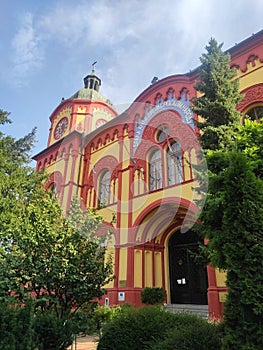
<point x="155" y="170"/>
<point x="104" y="188"/>
<point x="174" y="163"/>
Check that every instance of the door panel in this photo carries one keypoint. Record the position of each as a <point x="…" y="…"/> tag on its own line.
<point x="188" y="279"/>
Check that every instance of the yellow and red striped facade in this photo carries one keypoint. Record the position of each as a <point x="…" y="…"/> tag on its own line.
<point x="136" y="168"/>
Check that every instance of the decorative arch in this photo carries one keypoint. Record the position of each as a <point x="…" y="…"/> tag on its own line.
<point x="107" y="230"/>
<point x="109" y="163"/>
<point x="178" y="130"/>
<point x="180" y="105"/>
<point x="39" y="166"/>
<point x="55" y="178"/>
<point x="159" y="216"/>
<point x="252" y="95"/>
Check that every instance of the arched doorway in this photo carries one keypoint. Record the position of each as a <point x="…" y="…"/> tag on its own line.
<point x="188" y="278"/>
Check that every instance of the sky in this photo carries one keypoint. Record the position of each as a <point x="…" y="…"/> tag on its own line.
<point x="47" y="47"/>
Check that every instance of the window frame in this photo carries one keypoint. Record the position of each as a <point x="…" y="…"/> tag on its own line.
<point x="174" y="170"/>
<point x="104" y="188"/>
<point x="250" y="109"/>
<point x="155" y="168"/>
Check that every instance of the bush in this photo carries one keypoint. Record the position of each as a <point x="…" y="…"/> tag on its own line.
<point x="104" y="315"/>
<point x="153" y="328"/>
<point x="54" y="333"/>
<point x="85" y="319"/>
<point x="153" y="296"/>
<point x="135" y="328"/>
<point x="198" y="334"/>
<point x="16" y="326"/>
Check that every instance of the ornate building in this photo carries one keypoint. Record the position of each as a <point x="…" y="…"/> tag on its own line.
<point x="136" y="168"/>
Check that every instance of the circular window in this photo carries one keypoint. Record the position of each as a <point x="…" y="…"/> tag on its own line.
<point x="162" y="133"/>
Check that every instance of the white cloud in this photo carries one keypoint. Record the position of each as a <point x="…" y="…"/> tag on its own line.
<point x="89" y="22"/>
<point x="132" y="40"/>
<point x="27" y="55"/>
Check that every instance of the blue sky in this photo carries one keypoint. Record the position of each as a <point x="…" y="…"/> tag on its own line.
<point x="48" y="46"/>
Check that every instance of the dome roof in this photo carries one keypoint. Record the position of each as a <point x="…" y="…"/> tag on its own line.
<point x="90" y="94"/>
<point x="91" y="88"/>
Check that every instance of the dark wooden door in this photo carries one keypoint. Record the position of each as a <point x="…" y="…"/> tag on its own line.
<point x="188" y="278"/>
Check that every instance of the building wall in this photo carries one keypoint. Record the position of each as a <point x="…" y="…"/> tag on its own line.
<point x="145" y="219"/>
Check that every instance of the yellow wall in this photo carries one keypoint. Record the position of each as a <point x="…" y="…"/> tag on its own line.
<point x="220" y="278"/>
<point x="253" y="75"/>
<point x="158" y="269"/>
<point x="123" y="270"/>
<point x="138" y="268"/>
<point x="148" y="268"/>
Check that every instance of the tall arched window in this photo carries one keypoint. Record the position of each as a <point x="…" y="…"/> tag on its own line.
<point x="104" y="188"/>
<point x="174" y="164"/>
<point x="155" y="170"/>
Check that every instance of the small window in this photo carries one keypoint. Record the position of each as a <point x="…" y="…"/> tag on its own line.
<point x="255" y="113"/>
<point x="162" y="133"/>
<point x="53" y="187"/>
<point x="174" y="163"/>
<point x="104" y="188"/>
<point x="155" y="170"/>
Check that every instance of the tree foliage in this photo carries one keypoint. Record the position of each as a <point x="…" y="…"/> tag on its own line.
<point x="153" y="295"/>
<point x="232" y="217"/>
<point x="242" y="252"/>
<point x="54" y="258"/>
<point x="16" y="326"/>
<point x="218" y="98"/>
<point x="59" y="260"/>
<point x="249" y="140"/>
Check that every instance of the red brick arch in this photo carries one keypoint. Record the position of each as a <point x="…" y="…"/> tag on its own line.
<point x="252" y="95"/>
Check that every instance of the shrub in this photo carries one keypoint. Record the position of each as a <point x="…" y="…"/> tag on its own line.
<point x="153" y="295"/>
<point x="153" y="328"/>
<point x="16" y="326"/>
<point x="54" y="333"/>
<point x="104" y="315"/>
<point x="85" y="318"/>
<point x="196" y="334"/>
<point x="135" y="328"/>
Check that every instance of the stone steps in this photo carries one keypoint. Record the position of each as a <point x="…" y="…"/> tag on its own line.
<point x="200" y="310"/>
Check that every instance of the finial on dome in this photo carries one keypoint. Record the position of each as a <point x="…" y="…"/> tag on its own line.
<point x="91" y="81"/>
<point x="93" y="67"/>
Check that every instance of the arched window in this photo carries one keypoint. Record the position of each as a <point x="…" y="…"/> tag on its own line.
<point x="255" y="113"/>
<point x="104" y="188"/>
<point x="174" y="164"/>
<point x="53" y="187"/>
<point x="155" y="170"/>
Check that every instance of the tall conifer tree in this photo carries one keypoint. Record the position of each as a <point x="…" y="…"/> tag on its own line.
<point x="232" y="217"/>
<point x="219" y="96"/>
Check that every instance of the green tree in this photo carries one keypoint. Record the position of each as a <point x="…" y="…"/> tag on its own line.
<point x="219" y="96"/>
<point x="56" y="259"/>
<point x="232" y="216"/>
<point x="242" y="252"/>
<point x="249" y="140"/>
<point x="233" y="223"/>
